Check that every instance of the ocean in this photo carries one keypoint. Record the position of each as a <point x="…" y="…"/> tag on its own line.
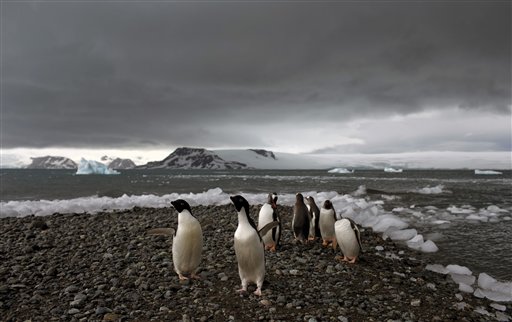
<point x="467" y="216"/>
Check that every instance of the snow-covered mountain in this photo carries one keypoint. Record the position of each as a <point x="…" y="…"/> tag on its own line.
<point x="194" y="158"/>
<point x="121" y="164"/>
<point x="52" y="162"/>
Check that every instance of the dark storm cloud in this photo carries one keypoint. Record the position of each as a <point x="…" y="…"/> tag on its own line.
<point x="120" y="74"/>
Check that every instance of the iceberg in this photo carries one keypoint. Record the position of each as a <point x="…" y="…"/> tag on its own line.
<point x="392" y="170"/>
<point x="487" y="172"/>
<point x="93" y="167"/>
<point x="341" y="170"/>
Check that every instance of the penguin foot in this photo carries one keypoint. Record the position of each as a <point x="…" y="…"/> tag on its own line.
<point x="324" y="243"/>
<point x="242" y="290"/>
<point x="195" y="276"/>
<point x="351" y="260"/>
<point x="181" y="277"/>
<point x="273" y="248"/>
<point x="257" y="292"/>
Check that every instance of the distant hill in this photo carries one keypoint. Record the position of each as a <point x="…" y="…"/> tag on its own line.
<point x="194" y="158"/>
<point x="52" y="162"/>
<point x="121" y="164"/>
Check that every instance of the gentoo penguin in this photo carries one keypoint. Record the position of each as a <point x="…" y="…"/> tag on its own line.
<point x="327" y="220"/>
<point x="268" y="213"/>
<point x="349" y="239"/>
<point x="187" y="243"/>
<point x="300" y="221"/>
<point x="314" y="217"/>
<point x="249" y="248"/>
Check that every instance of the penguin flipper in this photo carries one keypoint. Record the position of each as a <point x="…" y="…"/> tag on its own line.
<point x="161" y="232"/>
<point x="268" y="227"/>
<point x="357" y="232"/>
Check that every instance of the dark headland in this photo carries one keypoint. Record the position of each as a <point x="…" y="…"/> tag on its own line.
<point x="104" y="267"/>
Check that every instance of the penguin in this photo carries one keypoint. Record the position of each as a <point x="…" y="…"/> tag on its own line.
<point x="349" y="239"/>
<point x="268" y="213"/>
<point x="187" y="242"/>
<point x="249" y="247"/>
<point x="300" y="221"/>
<point x="327" y="220"/>
<point x="314" y="216"/>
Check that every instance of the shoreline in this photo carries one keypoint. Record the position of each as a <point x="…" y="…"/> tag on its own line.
<point x="104" y="266"/>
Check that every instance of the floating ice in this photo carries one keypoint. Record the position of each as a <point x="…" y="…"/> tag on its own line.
<point x="431" y="190"/>
<point x="465" y="288"/>
<point x="384" y="222"/>
<point x="498" y="307"/>
<point x="93" y="167"/>
<point x="429" y="247"/>
<point x="400" y="235"/>
<point x="437" y="268"/>
<point x="393" y="170"/>
<point x="488" y="172"/>
<point x="340" y="170"/>
<point x="457" y="269"/>
<point x="493" y="290"/>
<point x="462" y="278"/>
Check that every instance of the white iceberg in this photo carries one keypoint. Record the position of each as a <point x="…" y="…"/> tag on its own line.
<point x="389" y="169"/>
<point x="93" y="167"/>
<point x="341" y="170"/>
<point x="487" y="172"/>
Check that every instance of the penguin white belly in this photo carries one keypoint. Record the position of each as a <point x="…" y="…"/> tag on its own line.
<point x="187" y="246"/>
<point x="250" y="255"/>
<point x="327" y="223"/>
<point x="265" y="217"/>
<point x="346" y="238"/>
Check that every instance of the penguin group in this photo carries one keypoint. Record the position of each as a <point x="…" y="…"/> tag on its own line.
<point x="309" y="223"/>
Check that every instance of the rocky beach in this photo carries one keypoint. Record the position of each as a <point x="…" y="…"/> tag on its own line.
<point x="105" y="267"/>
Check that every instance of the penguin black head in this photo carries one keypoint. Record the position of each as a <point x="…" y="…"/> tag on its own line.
<point x="299" y="197"/>
<point x="240" y="203"/>
<point x="327" y="204"/>
<point x="181" y="205"/>
<point x="272" y="198"/>
<point x="310" y="199"/>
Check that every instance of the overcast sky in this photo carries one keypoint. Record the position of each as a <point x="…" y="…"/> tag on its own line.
<point x="323" y="77"/>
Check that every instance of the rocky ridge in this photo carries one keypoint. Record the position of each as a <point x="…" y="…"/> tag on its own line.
<point x="194" y="158"/>
<point x="52" y="162"/>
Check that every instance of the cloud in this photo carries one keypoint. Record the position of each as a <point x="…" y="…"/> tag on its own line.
<point x="253" y="74"/>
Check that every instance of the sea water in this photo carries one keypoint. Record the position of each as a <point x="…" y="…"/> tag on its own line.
<point x="468" y="216"/>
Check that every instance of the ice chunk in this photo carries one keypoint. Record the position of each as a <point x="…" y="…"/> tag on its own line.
<point x="464" y="279"/>
<point x="340" y="170"/>
<point x="437" y="268"/>
<point x="429" y="247"/>
<point x="476" y="217"/>
<point x="93" y="167"/>
<point x="431" y="190"/>
<point x="465" y="288"/>
<point x="488" y="172"/>
<point x="485" y="281"/>
<point x="385" y="222"/>
<point x="392" y="170"/>
<point x="498" y="307"/>
<point x="416" y="242"/>
<point x="457" y="269"/>
<point x="401" y="235"/>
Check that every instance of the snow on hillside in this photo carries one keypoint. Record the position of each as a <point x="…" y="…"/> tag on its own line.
<point x="52" y="162"/>
<point x="276" y="160"/>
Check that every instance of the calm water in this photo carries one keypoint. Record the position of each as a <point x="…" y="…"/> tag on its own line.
<point x="482" y="246"/>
